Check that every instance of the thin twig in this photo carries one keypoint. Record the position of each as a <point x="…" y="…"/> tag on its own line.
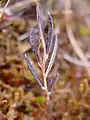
<point x="72" y="39"/>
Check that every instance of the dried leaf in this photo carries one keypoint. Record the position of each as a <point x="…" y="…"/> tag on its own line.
<point x="33" y="71"/>
<point x="23" y="47"/>
<point x="52" y="57"/>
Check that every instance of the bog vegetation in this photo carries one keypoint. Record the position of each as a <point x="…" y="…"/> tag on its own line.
<point x="44" y="60"/>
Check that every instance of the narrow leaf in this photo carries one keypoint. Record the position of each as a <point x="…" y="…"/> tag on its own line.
<point x="55" y="81"/>
<point x="33" y="71"/>
<point x="34" y="42"/>
<point x="40" y="16"/>
<point x="52" y="56"/>
<point x="41" y="27"/>
<point x="50" y="32"/>
<point x="51" y="83"/>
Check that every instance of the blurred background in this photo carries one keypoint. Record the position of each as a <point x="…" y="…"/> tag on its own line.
<point x="20" y="96"/>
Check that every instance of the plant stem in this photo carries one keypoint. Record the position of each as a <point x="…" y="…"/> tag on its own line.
<point x="46" y="89"/>
<point x="45" y="81"/>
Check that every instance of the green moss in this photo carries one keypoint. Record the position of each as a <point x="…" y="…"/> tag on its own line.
<point x="85" y="31"/>
<point x="27" y="109"/>
<point x="40" y="99"/>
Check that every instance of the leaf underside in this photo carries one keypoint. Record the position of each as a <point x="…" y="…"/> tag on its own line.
<point x="33" y="71"/>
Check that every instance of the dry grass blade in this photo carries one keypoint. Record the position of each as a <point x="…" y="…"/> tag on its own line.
<point x="20" y="6"/>
<point x="33" y="71"/>
<point x="1" y="14"/>
<point x="52" y="56"/>
<point x="72" y="39"/>
<point x="74" y="60"/>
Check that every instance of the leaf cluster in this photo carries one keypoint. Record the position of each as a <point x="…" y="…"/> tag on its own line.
<point x="48" y="40"/>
